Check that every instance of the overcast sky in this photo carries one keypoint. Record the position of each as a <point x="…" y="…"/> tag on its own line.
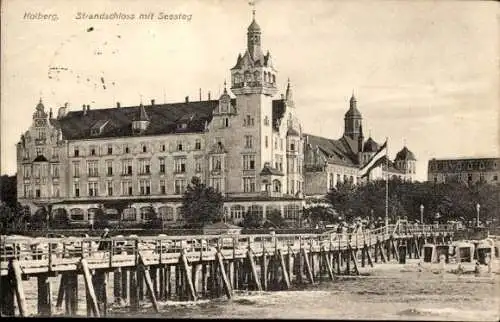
<point x="424" y="72"/>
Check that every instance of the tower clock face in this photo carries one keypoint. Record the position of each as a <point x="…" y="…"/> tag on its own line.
<point x="39" y="122"/>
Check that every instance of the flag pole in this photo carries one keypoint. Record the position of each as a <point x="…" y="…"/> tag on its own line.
<point x="386" y="185"/>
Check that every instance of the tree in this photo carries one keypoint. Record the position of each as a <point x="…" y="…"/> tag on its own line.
<point x="251" y="220"/>
<point x="276" y="218"/>
<point x="39" y="219"/>
<point x="100" y="219"/>
<point x="201" y="204"/>
<point x="8" y="190"/>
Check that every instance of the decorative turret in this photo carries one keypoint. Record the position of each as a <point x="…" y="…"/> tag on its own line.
<point x="253" y="72"/>
<point x="141" y="123"/>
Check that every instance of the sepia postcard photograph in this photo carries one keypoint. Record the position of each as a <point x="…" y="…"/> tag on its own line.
<point x="250" y="159"/>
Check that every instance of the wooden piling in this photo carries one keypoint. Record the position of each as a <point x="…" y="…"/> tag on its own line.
<point x="225" y="281"/>
<point x="307" y="266"/>
<point x="328" y="265"/>
<point x="60" y="293"/>
<point x="264" y="270"/>
<point x="117" y="291"/>
<point x="44" y="295"/>
<point x="286" y="278"/>
<point x="134" y="292"/>
<point x="125" y="285"/>
<point x="255" y="276"/>
<point x="185" y="264"/>
<point x="7" y="307"/>
<point x="149" y="286"/>
<point x="89" y="288"/>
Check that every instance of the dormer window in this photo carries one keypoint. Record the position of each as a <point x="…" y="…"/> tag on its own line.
<point x="182" y="126"/>
<point x="76" y="151"/>
<point x="144" y="148"/>
<point x="179" y="146"/>
<point x="481" y="165"/>
<point x="98" y="127"/>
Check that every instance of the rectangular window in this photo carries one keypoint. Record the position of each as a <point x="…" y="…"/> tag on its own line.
<point x="144" y="187"/>
<point x="54" y="170"/>
<point x="292" y="187"/>
<point x="162" y="165"/>
<point x="127" y="188"/>
<point x="93" y="150"/>
<point x="109" y="167"/>
<point x="144" y="166"/>
<point x="179" y="146"/>
<point x="276" y="143"/>
<point x="197" y="144"/>
<point x="249" y="162"/>
<point x="216" y="163"/>
<point x="27" y="171"/>
<point x="126" y="149"/>
<point x="330" y="179"/>
<point x="109" y="185"/>
<point x="76" y="151"/>
<point x="93" y="189"/>
<point x="266" y="143"/>
<point x="127" y="167"/>
<point x="162" y="148"/>
<point x="338" y="178"/>
<point x="55" y="154"/>
<point x="163" y="189"/>
<point x="76" y="169"/>
<point x="197" y="165"/>
<point x="38" y="193"/>
<point x="36" y="171"/>
<point x="180" y="165"/>
<point x="281" y="144"/>
<point x="76" y="189"/>
<point x="39" y="151"/>
<point x="110" y="149"/>
<point x="248" y="141"/>
<point x="292" y="146"/>
<point x="179" y="186"/>
<point x="92" y="168"/>
<point x="249" y="184"/>
<point x="27" y="189"/>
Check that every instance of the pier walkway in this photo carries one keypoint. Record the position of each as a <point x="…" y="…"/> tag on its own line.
<point x="189" y="267"/>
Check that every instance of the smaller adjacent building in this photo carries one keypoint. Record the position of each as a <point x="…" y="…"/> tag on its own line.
<point x="465" y="170"/>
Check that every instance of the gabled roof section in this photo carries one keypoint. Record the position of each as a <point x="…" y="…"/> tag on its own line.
<point x="163" y="119"/>
<point x="143" y="116"/>
<point x="335" y="151"/>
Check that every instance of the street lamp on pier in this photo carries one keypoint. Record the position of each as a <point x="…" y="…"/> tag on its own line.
<point x="478" y="206"/>
<point x="422" y="216"/>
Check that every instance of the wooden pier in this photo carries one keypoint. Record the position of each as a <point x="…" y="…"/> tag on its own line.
<point x="187" y="268"/>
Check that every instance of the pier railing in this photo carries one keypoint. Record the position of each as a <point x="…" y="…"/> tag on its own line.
<point x="61" y="254"/>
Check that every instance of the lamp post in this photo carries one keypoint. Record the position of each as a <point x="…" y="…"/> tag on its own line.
<point x="422" y="216"/>
<point x="477" y="219"/>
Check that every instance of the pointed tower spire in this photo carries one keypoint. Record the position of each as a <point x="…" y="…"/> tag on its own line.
<point x="289" y="94"/>
<point x="143" y="116"/>
<point x="225" y="86"/>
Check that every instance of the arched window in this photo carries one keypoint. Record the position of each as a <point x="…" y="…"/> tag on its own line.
<point x="166" y="213"/>
<point x="76" y="214"/>
<point x="129" y="214"/>
<point x="276" y="185"/>
<point x="237" y="211"/>
<point x="59" y="215"/>
<point x="147" y="213"/>
<point x="265" y="77"/>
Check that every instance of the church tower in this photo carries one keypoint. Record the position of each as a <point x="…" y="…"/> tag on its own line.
<point x="352" y="120"/>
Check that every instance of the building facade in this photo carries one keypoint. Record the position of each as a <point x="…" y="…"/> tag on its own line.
<point x="329" y="162"/>
<point x="465" y="170"/>
<point x="135" y="161"/>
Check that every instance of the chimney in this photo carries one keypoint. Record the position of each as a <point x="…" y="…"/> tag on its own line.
<point x="88" y="108"/>
<point x="187" y="99"/>
<point x="84" y="110"/>
<point x="209" y="95"/>
<point x="152" y="102"/>
<point x="118" y="105"/>
<point x="200" y="93"/>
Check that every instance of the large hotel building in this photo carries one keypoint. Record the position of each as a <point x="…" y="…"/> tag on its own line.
<point x="248" y="144"/>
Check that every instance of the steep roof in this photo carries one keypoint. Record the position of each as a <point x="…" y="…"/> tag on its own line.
<point x="40" y="158"/>
<point x="163" y="119"/>
<point x="405" y="154"/>
<point x="335" y="150"/>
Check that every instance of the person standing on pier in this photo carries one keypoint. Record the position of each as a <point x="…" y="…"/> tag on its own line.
<point x="104" y="244"/>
